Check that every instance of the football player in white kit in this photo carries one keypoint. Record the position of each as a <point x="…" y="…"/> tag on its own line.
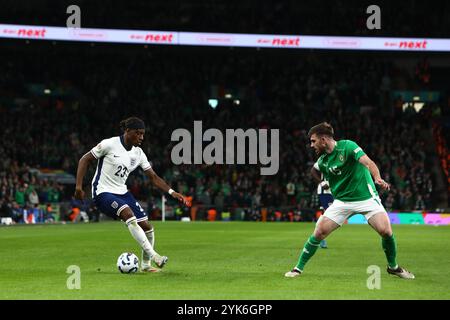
<point x="116" y="158"/>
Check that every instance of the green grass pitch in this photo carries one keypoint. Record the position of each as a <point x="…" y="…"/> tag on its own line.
<point x="220" y="261"/>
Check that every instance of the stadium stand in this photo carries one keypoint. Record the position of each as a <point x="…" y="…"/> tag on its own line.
<point x="58" y="100"/>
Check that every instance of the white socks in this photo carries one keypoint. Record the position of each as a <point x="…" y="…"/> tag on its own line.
<point x="146" y="262"/>
<point x="139" y="235"/>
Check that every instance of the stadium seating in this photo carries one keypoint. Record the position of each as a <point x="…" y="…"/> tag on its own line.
<point x="86" y="99"/>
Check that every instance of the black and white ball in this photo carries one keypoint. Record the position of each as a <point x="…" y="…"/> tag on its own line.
<point x="128" y="263"/>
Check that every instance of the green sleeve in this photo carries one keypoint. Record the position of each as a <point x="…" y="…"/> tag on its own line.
<point x="353" y="150"/>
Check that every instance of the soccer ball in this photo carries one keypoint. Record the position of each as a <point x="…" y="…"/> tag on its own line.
<point x="128" y="263"/>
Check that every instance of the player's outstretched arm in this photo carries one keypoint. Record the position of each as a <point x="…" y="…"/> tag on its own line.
<point x="163" y="186"/>
<point x="374" y="171"/>
<point x="81" y="172"/>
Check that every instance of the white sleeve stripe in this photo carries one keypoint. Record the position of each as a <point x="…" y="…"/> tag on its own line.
<point x="92" y="152"/>
<point x="149" y="167"/>
<point x="357" y="150"/>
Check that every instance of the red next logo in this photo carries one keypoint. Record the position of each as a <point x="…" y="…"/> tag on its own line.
<point x="413" y="44"/>
<point x="159" y="38"/>
<point x="32" y="32"/>
<point x="286" y="41"/>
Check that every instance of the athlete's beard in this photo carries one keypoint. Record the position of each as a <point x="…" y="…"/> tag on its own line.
<point x="320" y="152"/>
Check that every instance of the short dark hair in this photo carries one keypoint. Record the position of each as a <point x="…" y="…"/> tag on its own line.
<point x="322" y="129"/>
<point x="132" y="123"/>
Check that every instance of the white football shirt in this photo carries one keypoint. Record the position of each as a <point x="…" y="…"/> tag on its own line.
<point x="114" y="165"/>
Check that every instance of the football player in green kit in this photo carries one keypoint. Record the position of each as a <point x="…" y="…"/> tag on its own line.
<point x="349" y="172"/>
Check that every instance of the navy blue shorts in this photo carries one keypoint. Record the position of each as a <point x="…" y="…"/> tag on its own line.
<point x="325" y="200"/>
<point x="112" y="204"/>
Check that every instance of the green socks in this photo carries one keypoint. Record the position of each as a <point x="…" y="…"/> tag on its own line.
<point x="390" y="250"/>
<point x="308" y="251"/>
<point x="389" y="246"/>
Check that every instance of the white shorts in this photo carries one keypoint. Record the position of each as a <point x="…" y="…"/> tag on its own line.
<point x="340" y="211"/>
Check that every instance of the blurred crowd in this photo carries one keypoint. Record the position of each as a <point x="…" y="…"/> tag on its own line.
<point x="23" y="197"/>
<point x="54" y="107"/>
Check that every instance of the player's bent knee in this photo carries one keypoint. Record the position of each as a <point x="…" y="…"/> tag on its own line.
<point x="385" y="232"/>
<point x="324" y="227"/>
<point x="320" y="234"/>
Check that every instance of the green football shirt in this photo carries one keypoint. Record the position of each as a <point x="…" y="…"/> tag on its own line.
<point x="349" y="179"/>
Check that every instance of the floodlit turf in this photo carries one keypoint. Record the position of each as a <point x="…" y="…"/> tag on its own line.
<point x="222" y="260"/>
